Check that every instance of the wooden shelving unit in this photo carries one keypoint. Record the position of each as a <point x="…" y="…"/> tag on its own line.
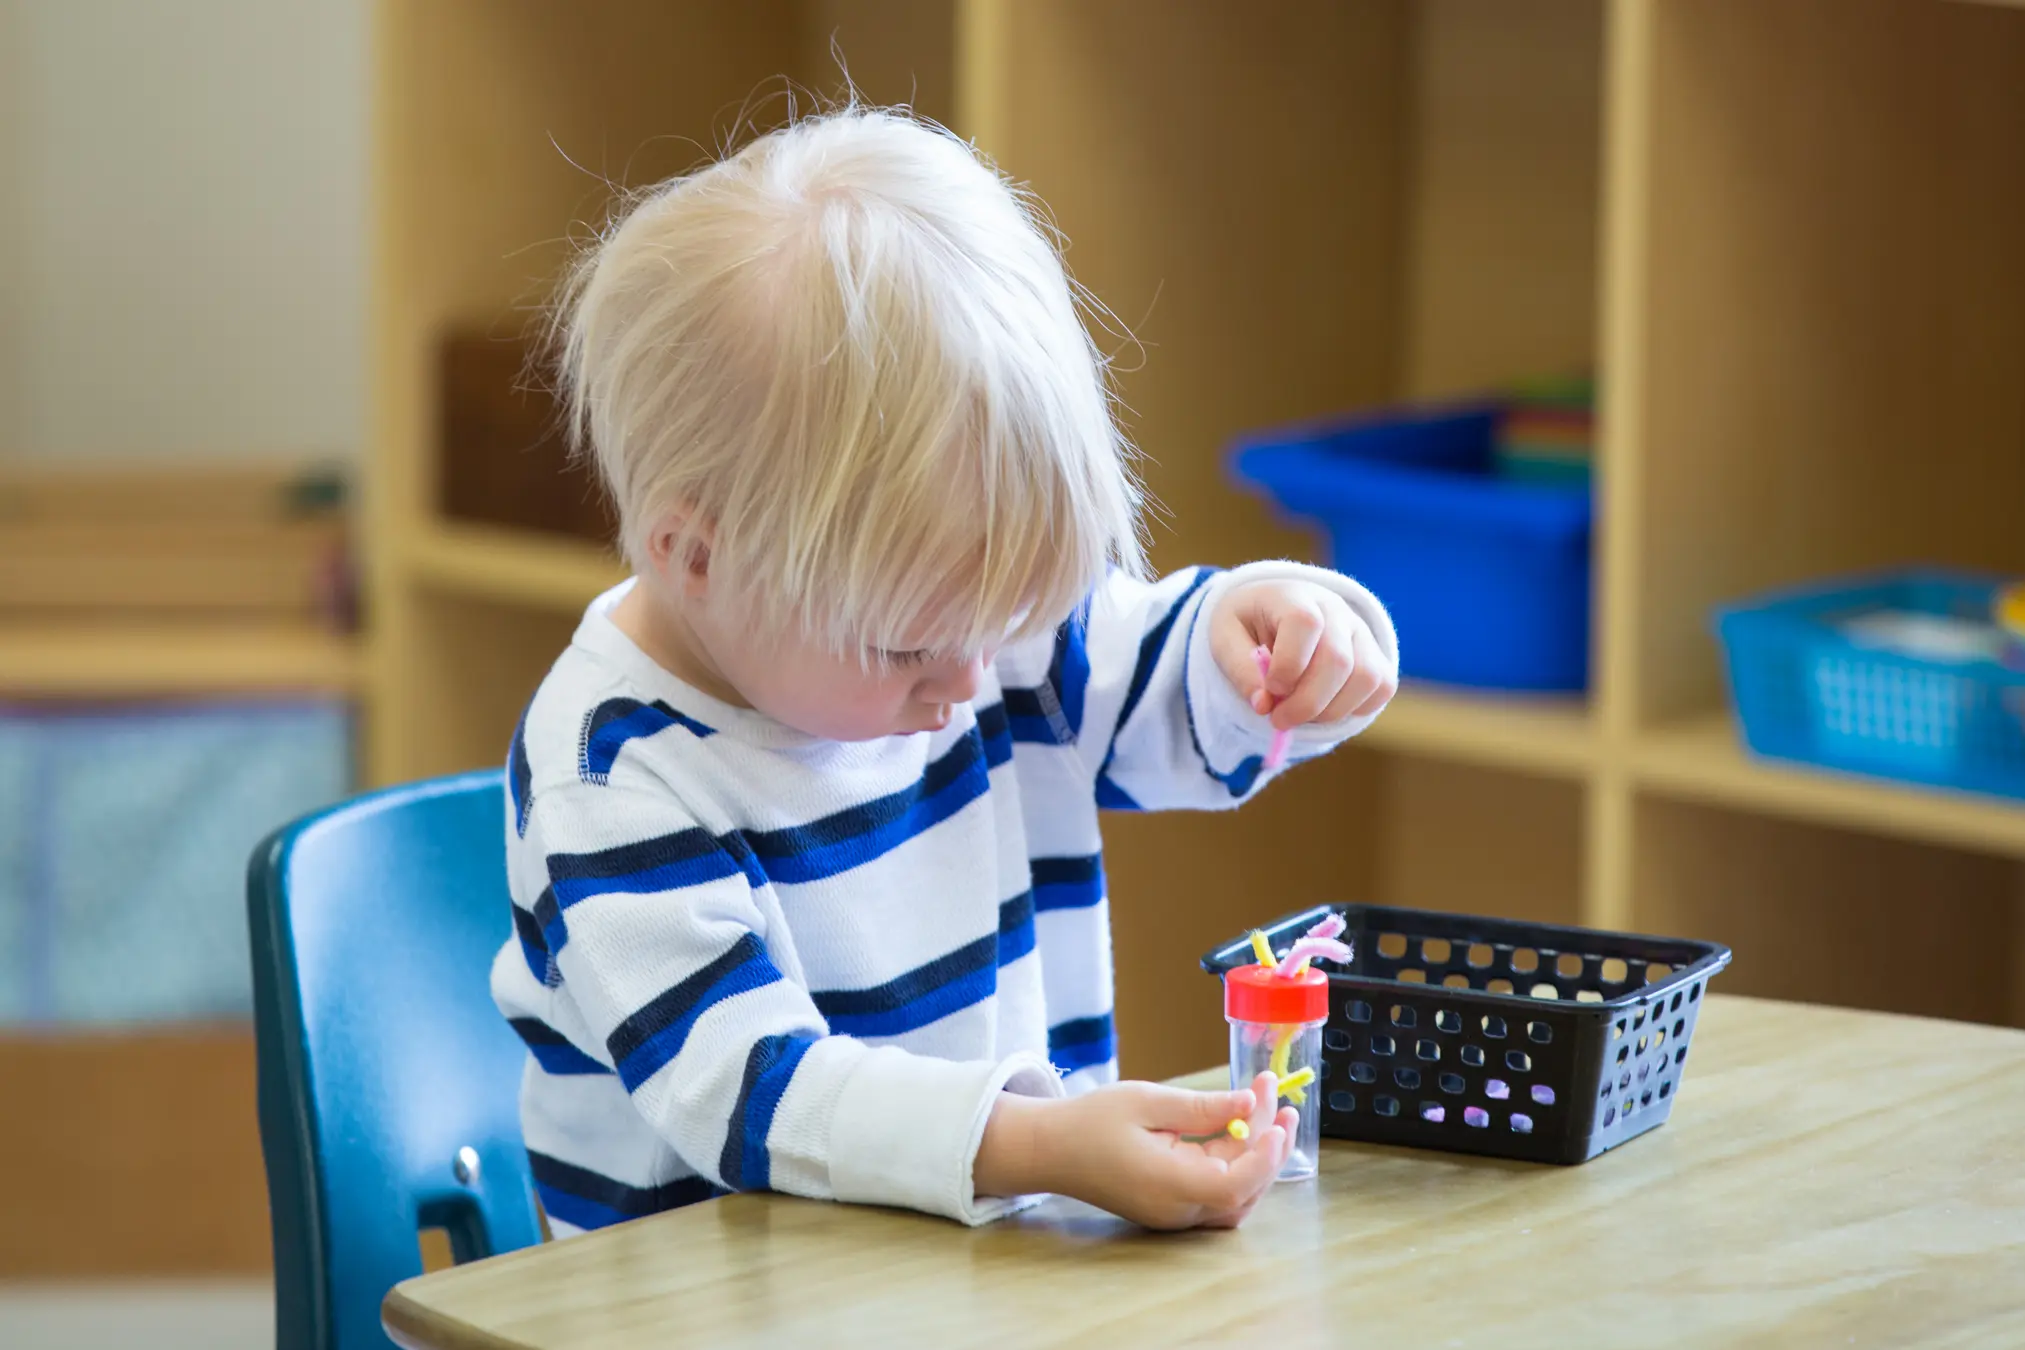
<point x="1701" y="761"/>
<point x="138" y="583"/>
<point x="1784" y="232"/>
<point x="1553" y="737"/>
<point x="510" y="566"/>
<point x="78" y="661"/>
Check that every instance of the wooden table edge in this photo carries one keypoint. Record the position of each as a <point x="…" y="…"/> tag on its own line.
<point x="415" y="1326"/>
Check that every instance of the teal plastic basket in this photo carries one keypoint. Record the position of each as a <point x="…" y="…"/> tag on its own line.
<point x="1811" y="685"/>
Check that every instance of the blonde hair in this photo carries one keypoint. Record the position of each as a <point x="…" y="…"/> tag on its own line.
<point x="852" y="354"/>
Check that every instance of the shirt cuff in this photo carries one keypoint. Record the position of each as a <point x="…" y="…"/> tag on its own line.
<point x="907" y="1129"/>
<point x="1226" y="726"/>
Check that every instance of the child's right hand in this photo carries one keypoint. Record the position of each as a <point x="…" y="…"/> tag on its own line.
<point x="1129" y="1148"/>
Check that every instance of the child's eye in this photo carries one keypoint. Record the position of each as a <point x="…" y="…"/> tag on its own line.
<point x="913" y="658"/>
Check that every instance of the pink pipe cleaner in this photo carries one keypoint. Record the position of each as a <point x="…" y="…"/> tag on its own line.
<point x="1276" y="754"/>
<point x="1317" y="941"/>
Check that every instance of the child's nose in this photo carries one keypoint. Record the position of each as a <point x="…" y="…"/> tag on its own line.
<point x="957" y="682"/>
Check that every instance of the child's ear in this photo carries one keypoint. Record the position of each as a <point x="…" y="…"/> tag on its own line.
<point x="674" y="532"/>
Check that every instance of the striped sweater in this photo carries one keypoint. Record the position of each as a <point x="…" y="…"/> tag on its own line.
<point x="747" y="958"/>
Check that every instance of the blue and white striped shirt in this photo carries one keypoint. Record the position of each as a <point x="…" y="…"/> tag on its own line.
<point x="748" y="958"/>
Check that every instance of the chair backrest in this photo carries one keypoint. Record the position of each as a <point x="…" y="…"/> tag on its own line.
<point x="381" y="1056"/>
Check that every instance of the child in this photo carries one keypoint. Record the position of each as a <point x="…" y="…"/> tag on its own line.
<point x="802" y="831"/>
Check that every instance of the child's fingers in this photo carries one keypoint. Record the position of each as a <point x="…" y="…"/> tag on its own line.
<point x="1258" y="1118"/>
<point x="1327" y="669"/>
<point x="1231" y="1218"/>
<point x="1371" y="681"/>
<point x="1197" y="1113"/>
<point x="1385" y="681"/>
<point x="1297" y="629"/>
<point x="1266" y="1099"/>
<point x="1220" y="1188"/>
<point x="1288" y="1120"/>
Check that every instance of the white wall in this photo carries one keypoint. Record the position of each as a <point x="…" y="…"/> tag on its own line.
<point x="182" y="227"/>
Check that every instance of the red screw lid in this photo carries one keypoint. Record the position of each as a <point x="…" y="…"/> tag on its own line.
<point x="1255" y="994"/>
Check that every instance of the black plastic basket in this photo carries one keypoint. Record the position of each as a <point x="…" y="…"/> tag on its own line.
<point x="1442" y="1032"/>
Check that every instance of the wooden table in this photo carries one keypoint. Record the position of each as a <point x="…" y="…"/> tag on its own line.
<point x="1827" y="1178"/>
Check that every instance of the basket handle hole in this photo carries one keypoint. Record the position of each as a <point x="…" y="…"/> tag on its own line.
<point x="1614" y="970"/>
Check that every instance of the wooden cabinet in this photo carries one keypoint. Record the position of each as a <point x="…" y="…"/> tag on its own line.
<point x="1783" y="232"/>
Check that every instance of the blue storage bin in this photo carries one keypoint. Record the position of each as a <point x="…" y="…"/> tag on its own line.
<point x="124" y="835"/>
<point x="1815" y="678"/>
<point x="1487" y="579"/>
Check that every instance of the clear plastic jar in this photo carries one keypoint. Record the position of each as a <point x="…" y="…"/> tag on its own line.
<point x="1276" y="1026"/>
<point x="1255" y="1047"/>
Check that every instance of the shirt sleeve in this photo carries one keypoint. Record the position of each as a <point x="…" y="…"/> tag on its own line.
<point x="656" y="931"/>
<point x="1178" y="735"/>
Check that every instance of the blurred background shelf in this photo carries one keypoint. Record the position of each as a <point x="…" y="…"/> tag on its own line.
<point x="52" y="659"/>
<point x="1543" y="735"/>
<point x="1456" y="194"/>
<point x="521" y="567"/>
<point x="1702" y="760"/>
<point x="141" y="1155"/>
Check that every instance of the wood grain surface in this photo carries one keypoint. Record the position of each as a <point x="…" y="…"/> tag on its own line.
<point x="1828" y="1178"/>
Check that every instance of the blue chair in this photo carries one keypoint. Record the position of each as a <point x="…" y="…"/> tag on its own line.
<point x="389" y="1084"/>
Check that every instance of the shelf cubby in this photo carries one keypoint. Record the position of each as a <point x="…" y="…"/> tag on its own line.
<point x="1833" y="332"/>
<point x="1825" y="914"/>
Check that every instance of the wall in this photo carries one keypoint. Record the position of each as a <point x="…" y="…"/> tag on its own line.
<point x="182" y="227"/>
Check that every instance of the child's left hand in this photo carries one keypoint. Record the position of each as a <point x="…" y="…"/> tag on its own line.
<point x="1326" y="664"/>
